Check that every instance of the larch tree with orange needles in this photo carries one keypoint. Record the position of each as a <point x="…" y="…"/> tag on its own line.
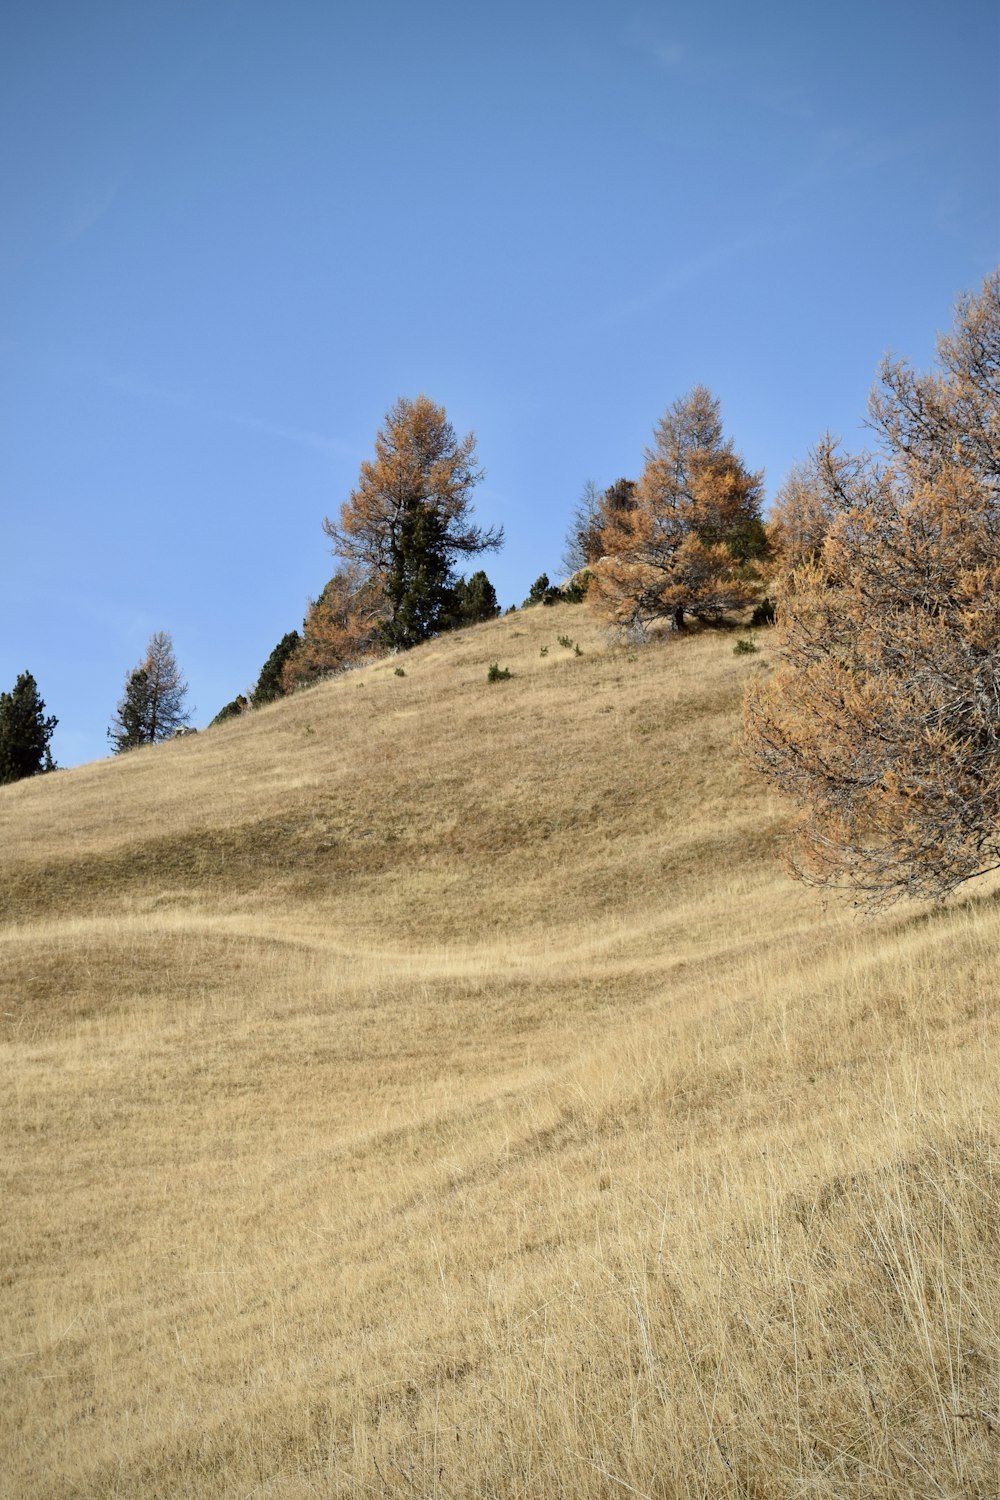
<point x="584" y="540"/>
<point x="883" y="718"/>
<point x="341" y="627"/>
<point x="686" y="543"/>
<point x="803" y="510"/>
<point x="409" y="517"/>
<point x="151" y="707"/>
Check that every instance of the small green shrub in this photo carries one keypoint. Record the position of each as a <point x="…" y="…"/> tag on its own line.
<point x="497" y="673"/>
<point x="544" y="651"/>
<point x="745" y="646"/>
<point x="564" y="640"/>
<point x="577" y="649"/>
<point x="764" y="614"/>
<point x="400" y="672"/>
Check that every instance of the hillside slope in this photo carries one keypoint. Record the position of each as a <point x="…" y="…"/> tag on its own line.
<point x="428" y="1086"/>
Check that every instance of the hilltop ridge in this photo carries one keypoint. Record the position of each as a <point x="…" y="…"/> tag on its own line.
<point x="375" y="773"/>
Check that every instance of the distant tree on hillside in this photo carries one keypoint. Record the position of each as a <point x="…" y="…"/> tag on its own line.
<point x="129" y="727"/>
<point x="883" y="719"/>
<point x="234" y="709"/>
<point x="269" y="682"/>
<point x="584" y="540"/>
<point x="151" y="709"/>
<point x="408" y="519"/>
<point x="475" y="600"/>
<point x="685" y="540"/>
<point x="419" y="582"/>
<point x="342" y="626"/>
<point x="536" y="594"/>
<point x="584" y="530"/>
<point x="25" y="732"/>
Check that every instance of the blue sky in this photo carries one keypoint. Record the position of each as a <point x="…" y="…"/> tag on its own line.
<point x="234" y="232"/>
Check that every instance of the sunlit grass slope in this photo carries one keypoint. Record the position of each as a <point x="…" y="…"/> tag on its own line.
<point x="429" y="1087"/>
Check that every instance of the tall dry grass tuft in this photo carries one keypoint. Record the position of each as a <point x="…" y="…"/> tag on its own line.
<point x="433" y="1088"/>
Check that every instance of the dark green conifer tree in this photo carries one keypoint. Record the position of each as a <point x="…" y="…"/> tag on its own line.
<point x="130" y="726"/>
<point x="419" y="585"/>
<point x="269" y="683"/>
<point x="477" y="600"/>
<point x="538" y="590"/>
<point x="230" y="710"/>
<point x="24" y="732"/>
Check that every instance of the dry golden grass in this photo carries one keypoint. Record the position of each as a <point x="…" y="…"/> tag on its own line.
<point x="429" y="1087"/>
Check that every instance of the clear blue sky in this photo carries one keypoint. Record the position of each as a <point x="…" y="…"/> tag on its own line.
<point x="233" y="232"/>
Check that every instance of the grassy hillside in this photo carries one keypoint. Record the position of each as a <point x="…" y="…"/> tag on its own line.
<point x="428" y="1087"/>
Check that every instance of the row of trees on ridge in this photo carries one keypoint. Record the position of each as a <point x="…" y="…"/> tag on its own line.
<point x="397" y="538"/>
<point x="882" y="720"/>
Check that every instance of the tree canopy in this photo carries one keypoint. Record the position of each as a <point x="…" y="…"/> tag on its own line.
<point x="680" y="542"/>
<point x="409" y="517"/>
<point x="269" y="683"/>
<point x="883" y="718"/>
<point x="25" y="732"/>
<point x="343" y="625"/>
<point x="476" y="599"/>
<point x="151" y="707"/>
<point x="594" y="510"/>
<point x="803" y="509"/>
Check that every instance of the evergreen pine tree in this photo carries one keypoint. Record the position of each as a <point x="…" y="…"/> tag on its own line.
<point x="24" y="732"/>
<point x="537" y="591"/>
<point x="231" y="710"/>
<point x="476" y="600"/>
<point x="419" y="585"/>
<point x="130" y="726"/>
<point x="269" y="684"/>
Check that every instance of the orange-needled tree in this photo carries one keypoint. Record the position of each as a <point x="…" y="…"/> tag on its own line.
<point x="686" y="542"/>
<point x="341" y="627"/>
<point x="410" y="516"/>
<point x="882" y="720"/>
<point x="804" y="509"/>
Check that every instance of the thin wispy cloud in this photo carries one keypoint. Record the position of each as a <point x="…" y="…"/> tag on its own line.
<point x="685" y="274"/>
<point x="300" y="435"/>
<point x="669" y="54"/>
<point x="135" y="384"/>
<point x="90" y="208"/>
<point x="789" y="101"/>
<point x="840" y="152"/>
<point x="666" y="52"/>
<point x="117" y="620"/>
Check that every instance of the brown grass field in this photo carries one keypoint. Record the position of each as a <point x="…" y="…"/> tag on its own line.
<point x="426" y="1087"/>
